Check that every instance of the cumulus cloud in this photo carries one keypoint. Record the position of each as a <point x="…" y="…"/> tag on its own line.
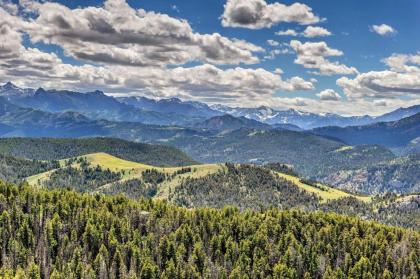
<point x="309" y="32"/>
<point x="315" y="31"/>
<point x="288" y="32"/>
<point x="272" y="54"/>
<point x="401" y="79"/>
<point x="118" y="34"/>
<point x="32" y="67"/>
<point x="383" y="29"/>
<point x="329" y="95"/>
<point x="9" y="6"/>
<point x="311" y="55"/>
<point x="257" y="14"/>
<point x="128" y="61"/>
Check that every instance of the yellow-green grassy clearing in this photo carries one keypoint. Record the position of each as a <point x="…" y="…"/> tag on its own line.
<point x="323" y="191"/>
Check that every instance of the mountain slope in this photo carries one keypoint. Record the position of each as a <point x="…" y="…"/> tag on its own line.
<point x="20" y="121"/>
<point x="228" y="122"/>
<point x="172" y="105"/>
<point x="398" y="114"/>
<point x="14" y="169"/>
<point x="54" y="149"/>
<point x="10" y="91"/>
<point x="401" y="175"/>
<point x="309" y="154"/>
<point x="391" y="134"/>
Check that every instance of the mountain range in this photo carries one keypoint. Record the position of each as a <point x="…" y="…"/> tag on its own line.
<point x="174" y="111"/>
<point x="207" y="134"/>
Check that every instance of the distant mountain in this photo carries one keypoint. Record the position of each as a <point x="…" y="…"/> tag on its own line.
<point x="398" y="114"/>
<point x="172" y="105"/>
<point x="17" y="121"/>
<point x="9" y="91"/>
<point x="174" y="111"/>
<point x="306" y="120"/>
<point x="391" y="134"/>
<point x="94" y="104"/>
<point x="290" y="127"/>
<point x="400" y="175"/>
<point x="228" y="122"/>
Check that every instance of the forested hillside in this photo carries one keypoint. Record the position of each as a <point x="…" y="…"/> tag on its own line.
<point x="54" y="149"/>
<point x="244" y="186"/>
<point x="63" y="234"/>
<point x="401" y="175"/>
<point x="16" y="169"/>
<point x="310" y="155"/>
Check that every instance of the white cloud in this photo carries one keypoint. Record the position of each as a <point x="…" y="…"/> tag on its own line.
<point x="159" y="47"/>
<point x="383" y="29"/>
<point x="288" y="32"/>
<point x="278" y="71"/>
<point x="272" y="54"/>
<point x="311" y="55"/>
<point x="315" y="31"/>
<point x="309" y="32"/>
<point x="9" y="6"/>
<point x="256" y="14"/>
<point x="273" y="43"/>
<point x="329" y="95"/>
<point x="118" y="34"/>
<point x="401" y="79"/>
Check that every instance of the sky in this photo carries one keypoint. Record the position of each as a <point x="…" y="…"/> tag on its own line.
<point x="348" y="57"/>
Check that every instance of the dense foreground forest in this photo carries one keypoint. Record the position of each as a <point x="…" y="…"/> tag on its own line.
<point x="65" y="234"/>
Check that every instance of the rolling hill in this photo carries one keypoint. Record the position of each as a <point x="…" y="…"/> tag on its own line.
<point x="218" y="185"/>
<point x="55" y="149"/>
<point x="178" y="175"/>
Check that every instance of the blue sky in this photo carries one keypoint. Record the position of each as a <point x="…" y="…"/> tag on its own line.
<point x="343" y="72"/>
